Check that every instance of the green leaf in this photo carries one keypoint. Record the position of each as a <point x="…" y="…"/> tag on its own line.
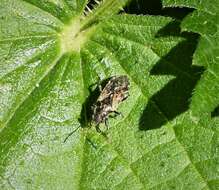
<point x="51" y="53"/>
<point x="205" y="21"/>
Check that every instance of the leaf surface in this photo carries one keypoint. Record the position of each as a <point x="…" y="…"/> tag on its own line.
<point x="205" y="21"/>
<point x="48" y="61"/>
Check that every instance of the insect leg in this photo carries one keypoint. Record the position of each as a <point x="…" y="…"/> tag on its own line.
<point x="118" y="113"/>
<point x="101" y="132"/>
<point x="107" y="123"/>
<point x="98" y="129"/>
<point x="125" y="97"/>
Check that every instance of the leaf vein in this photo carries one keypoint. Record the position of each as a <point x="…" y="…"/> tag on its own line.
<point x="33" y="5"/>
<point x="32" y="89"/>
<point x="143" y="46"/>
<point x="193" y="164"/>
<point x="24" y="38"/>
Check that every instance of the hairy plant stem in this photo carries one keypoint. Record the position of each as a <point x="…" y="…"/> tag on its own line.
<point x="79" y="30"/>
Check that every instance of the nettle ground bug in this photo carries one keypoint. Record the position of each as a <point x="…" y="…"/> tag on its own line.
<point x="112" y="94"/>
<point x="103" y="104"/>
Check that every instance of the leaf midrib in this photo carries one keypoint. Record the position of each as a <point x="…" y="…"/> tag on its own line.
<point x="61" y="53"/>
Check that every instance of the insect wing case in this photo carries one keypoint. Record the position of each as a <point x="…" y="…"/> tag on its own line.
<point x="114" y="92"/>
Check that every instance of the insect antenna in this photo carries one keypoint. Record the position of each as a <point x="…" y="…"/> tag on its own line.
<point x="70" y="134"/>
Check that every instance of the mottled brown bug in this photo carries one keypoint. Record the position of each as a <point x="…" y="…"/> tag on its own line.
<point x="111" y="95"/>
<point x="115" y="91"/>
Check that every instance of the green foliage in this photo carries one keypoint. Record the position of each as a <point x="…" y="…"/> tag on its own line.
<point x="52" y="52"/>
<point x="204" y="20"/>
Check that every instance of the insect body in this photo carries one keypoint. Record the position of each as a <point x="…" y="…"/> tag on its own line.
<point x="114" y="92"/>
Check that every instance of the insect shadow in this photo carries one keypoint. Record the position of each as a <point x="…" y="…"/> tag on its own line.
<point x="86" y="111"/>
<point x="85" y="118"/>
<point x="215" y="113"/>
<point x="93" y="113"/>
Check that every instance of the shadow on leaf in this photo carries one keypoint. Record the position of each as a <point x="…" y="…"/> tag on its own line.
<point x="154" y="7"/>
<point x="174" y="98"/>
<point x="86" y="112"/>
<point x="215" y="113"/>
